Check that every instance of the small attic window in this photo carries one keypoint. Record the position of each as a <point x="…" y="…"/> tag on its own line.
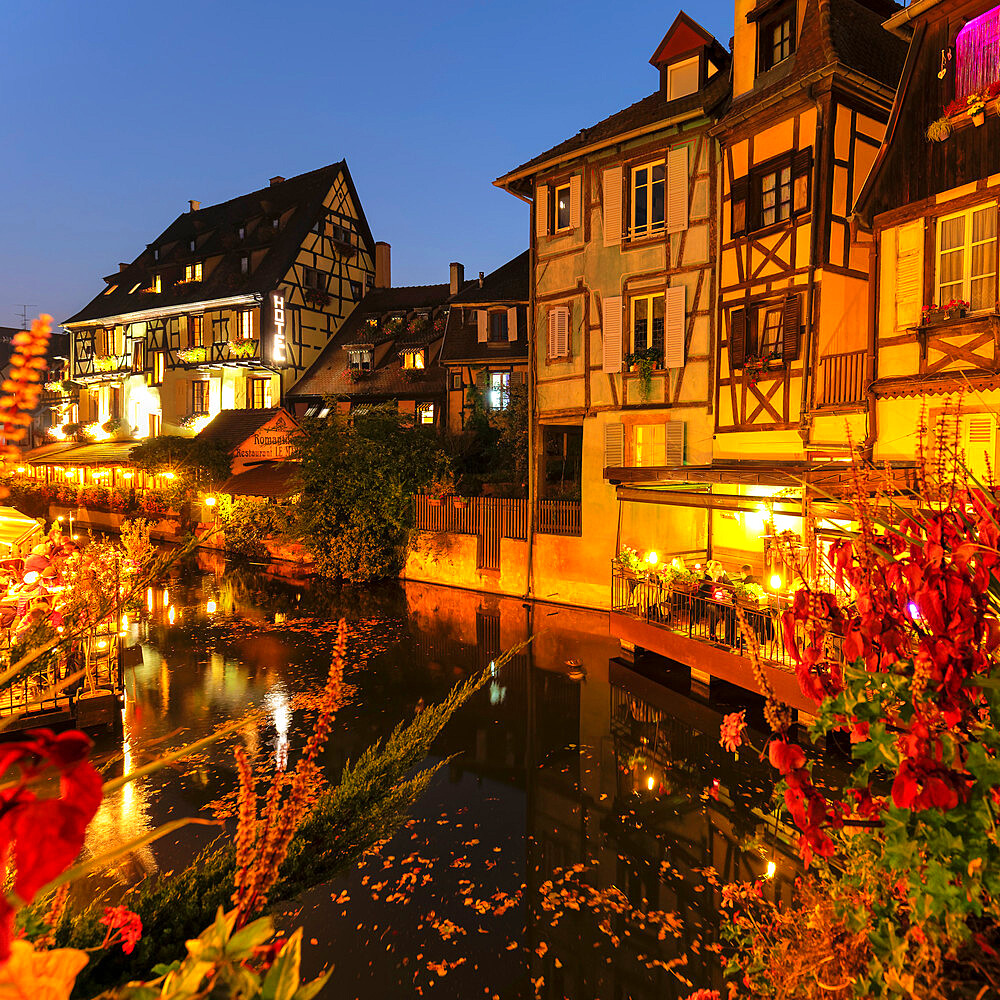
<point x="134" y="288"/>
<point x="110" y="289"/>
<point x="977" y="54"/>
<point x="776" y="36"/>
<point x="683" y="78"/>
<point x="192" y="246"/>
<point x="275" y="222"/>
<point x="242" y="232"/>
<point x="156" y="253"/>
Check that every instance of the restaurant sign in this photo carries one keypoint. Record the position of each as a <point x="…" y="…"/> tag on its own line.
<point x="270" y="443"/>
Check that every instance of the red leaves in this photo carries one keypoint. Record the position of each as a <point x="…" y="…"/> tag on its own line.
<point x="128" y="926"/>
<point x="44" y="834"/>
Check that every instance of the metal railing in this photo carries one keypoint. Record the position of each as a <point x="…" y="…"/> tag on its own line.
<point x="707" y="613"/>
<point x="559" y="517"/>
<point x="842" y="378"/>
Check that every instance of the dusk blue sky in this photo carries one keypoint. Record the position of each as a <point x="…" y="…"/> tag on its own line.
<point x="116" y="113"/>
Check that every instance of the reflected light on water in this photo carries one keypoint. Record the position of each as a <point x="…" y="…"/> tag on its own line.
<point x="276" y="702"/>
<point x="170" y="614"/>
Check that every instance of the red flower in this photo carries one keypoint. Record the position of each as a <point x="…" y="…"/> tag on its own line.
<point x="126" y="923"/>
<point x="733" y="727"/>
<point x="785" y="756"/>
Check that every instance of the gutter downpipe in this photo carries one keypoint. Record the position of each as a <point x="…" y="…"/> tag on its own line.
<point x="868" y="445"/>
<point x="804" y="418"/>
<point x="532" y="386"/>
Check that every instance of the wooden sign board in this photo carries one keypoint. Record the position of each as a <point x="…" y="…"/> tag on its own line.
<point x="271" y="442"/>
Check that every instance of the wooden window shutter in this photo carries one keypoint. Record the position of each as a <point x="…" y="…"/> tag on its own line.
<point x="512" y="324"/>
<point x="614" y="445"/>
<point x="674" y="326"/>
<point x="791" y="321"/>
<point x="677" y="189"/>
<point x="802" y="164"/>
<point x="559" y="332"/>
<point x="518" y="379"/>
<point x="482" y="325"/>
<point x="979" y="442"/>
<point x="737" y="337"/>
<point x="909" y="273"/>
<point x="739" y="202"/>
<point x="675" y="438"/>
<point x="483" y="379"/>
<point x="542" y="210"/>
<point x="575" y="200"/>
<point x="612" y="339"/>
<point x="612" y="184"/>
<point x="182" y="388"/>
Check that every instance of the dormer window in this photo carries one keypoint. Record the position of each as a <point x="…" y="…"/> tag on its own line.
<point x="157" y="283"/>
<point x="777" y="38"/>
<point x="242" y="232"/>
<point x="192" y="272"/>
<point x="360" y="361"/>
<point x="683" y="78"/>
<point x="156" y="253"/>
<point x="413" y="360"/>
<point x="192" y="246"/>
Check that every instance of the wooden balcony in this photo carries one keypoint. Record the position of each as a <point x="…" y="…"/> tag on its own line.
<point x="701" y="631"/>
<point x="841" y="379"/>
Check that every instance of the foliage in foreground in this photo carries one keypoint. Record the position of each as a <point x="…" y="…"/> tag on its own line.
<point x="371" y="800"/>
<point x="359" y="475"/>
<point x="903" y="865"/>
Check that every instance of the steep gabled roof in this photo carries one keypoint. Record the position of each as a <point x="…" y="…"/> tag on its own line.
<point x="295" y="203"/>
<point x="643" y="115"/>
<point x="233" y="427"/>
<point x="682" y="37"/>
<point x="510" y="282"/>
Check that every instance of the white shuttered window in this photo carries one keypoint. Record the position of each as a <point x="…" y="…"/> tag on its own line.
<point x="612" y="341"/>
<point x="612" y="185"/>
<point x="512" y="323"/>
<point x="558" y="332"/>
<point x="677" y="189"/>
<point x="674" y="327"/>
<point x="614" y="446"/>
<point x="909" y="270"/>
<point x="481" y="326"/>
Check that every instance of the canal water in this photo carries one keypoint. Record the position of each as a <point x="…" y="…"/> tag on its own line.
<point x="560" y="853"/>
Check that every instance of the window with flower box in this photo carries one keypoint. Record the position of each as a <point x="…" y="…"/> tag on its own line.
<point x="193" y="272"/>
<point x="648" y="313"/>
<point x="967" y="258"/>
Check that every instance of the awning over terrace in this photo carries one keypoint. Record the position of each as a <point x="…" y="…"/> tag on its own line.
<point x="274" y="480"/>
<point x="72" y="453"/>
<point x="17" y="531"/>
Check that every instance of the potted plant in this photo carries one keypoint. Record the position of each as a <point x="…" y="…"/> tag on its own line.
<point x="439" y="488"/>
<point x="753" y="368"/>
<point x="242" y="348"/>
<point x="460" y="503"/>
<point x="630" y="561"/>
<point x="192" y="355"/>
<point x="938" y="130"/>
<point x="644" y="363"/>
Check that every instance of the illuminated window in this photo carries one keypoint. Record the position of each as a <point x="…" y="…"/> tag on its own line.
<point x="196" y="331"/>
<point x="647" y="312"/>
<point x="977" y="54"/>
<point x="425" y="414"/>
<point x="139" y="357"/>
<point x="498" y="395"/>
<point x="157" y="283"/>
<point x="158" y="367"/>
<point x="413" y="359"/>
<point x="155" y="423"/>
<point x="683" y="78"/>
<point x="246" y="324"/>
<point x="199" y="396"/>
<point x="134" y="288"/>
<point x="650" y="444"/>
<point x="562" y="203"/>
<point x="967" y="257"/>
<point x="258" y="393"/>
<point x="192" y="272"/>
<point x="110" y="289"/>
<point x="360" y="361"/>
<point x="648" y="190"/>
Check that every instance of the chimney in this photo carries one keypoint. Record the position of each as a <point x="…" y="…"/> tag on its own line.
<point x="480" y="279"/>
<point x="276" y="180"/>
<point x="457" y="277"/>
<point x="193" y="205"/>
<point x="383" y="271"/>
<point x="122" y="267"/>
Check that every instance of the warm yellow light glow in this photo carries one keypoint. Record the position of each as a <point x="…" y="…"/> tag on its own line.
<point x="651" y="782"/>
<point x="102" y="644"/>
<point x="170" y="614"/>
<point x="209" y="501"/>
<point x="20" y="468"/>
<point x="166" y="596"/>
<point x="124" y="621"/>
<point x="126" y="475"/>
<point x="770" y="869"/>
<point x="169" y="475"/>
<point x="775" y="582"/>
<point x="149" y="598"/>
<point x="652" y="558"/>
<point x="31" y="577"/>
<point x="210" y="607"/>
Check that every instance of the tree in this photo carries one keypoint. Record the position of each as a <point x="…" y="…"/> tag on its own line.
<point x="359" y="475"/>
<point x="197" y="462"/>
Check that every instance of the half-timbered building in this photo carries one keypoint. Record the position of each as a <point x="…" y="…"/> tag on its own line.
<point x="388" y="350"/>
<point x="929" y="213"/>
<point x="225" y="309"/>
<point x="623" y="244"/>
<point x="485" y="348"/>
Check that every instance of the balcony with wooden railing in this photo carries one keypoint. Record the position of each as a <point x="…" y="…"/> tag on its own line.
<point x="558" y="517"/>
<point x="842" y="379"/>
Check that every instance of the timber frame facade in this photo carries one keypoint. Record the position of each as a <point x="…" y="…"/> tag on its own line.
<point x="813" y="83"/>
<point x="929" y="214"/>
<point x="225" y="309"/>
<point x="623" y="244"/>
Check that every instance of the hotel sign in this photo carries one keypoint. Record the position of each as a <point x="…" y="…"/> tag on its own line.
<point x="279" y="347"/>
